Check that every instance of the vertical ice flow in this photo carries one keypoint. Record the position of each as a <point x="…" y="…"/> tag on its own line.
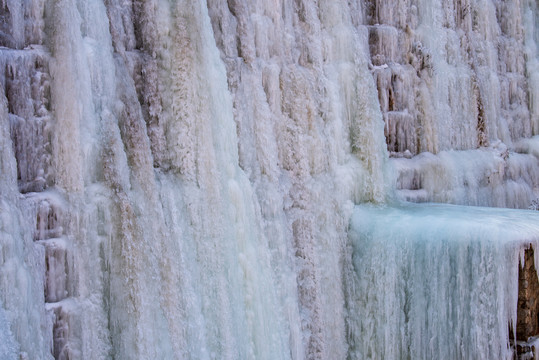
<point x="436" y="280"/>
<point x="178" y="176"/>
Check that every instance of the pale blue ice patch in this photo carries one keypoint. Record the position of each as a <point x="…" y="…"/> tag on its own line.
<point x="436" y="281"/>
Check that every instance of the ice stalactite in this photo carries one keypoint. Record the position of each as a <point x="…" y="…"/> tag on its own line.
<point x="457" y="76"/>
<point x="303" y="66"/>
<point x="446" y="71"/>
<point x="27" y="328"/>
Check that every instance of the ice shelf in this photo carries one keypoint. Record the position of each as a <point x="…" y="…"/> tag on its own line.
<point x="436" y="281"/>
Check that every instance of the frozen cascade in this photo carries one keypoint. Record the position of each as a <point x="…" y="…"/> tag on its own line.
<point x="178" y="177"/>
<point x="437" y="281"/>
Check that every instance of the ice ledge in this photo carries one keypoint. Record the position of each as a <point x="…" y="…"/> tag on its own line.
<point x="435" y="280"/>
<point x="460" y="223"/>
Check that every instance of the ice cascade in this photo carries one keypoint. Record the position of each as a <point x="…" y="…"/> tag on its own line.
<point x="188" y="179"/>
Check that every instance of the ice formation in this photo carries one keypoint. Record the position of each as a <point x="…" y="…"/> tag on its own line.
<point x="177" y="178"/>
<point x="436" y="281"/>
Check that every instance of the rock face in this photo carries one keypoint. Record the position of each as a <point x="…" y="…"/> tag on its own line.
<point x="528" y="298"/>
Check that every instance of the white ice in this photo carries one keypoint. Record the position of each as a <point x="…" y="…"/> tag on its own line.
<point x="177" y="177"/>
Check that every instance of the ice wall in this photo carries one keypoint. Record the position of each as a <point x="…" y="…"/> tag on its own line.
<point x="436" y="281"/>
<point x="458" y="75"/>
<point x="170" y="217"/>
<point x="454" y="75"/>
<point x="177" y="177"/>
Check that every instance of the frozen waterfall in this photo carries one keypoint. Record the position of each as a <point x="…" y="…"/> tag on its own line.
<point x="436" y="281"/>
<point x="185" y="179"/>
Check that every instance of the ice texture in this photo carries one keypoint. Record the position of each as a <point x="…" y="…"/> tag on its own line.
<point x="177" y="177"/>
<point x="8" y="346"/>
<point x="488" y="176"/>
<point x="435" y="280"/>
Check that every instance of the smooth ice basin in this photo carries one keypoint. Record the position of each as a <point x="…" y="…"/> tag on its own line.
<point x="435" y="280"/>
